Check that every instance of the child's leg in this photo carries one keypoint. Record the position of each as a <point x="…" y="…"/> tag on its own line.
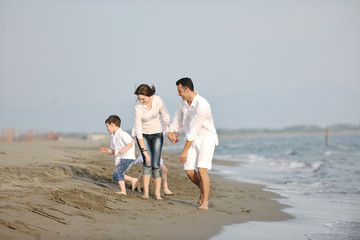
<point x="122" y="188"/>
<point x="121" y="169"/>
<point x="139" y="183"/>
<point x="132" y="180"/>
<point x="164" y="172"/>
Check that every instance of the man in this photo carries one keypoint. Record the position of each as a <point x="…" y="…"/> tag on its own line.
<point x="194" y="115"/>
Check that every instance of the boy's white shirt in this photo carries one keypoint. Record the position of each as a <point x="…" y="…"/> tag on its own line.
<point x="119" y="140"/>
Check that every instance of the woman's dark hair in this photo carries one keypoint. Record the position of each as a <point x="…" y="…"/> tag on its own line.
<point x="113" y="119"/>
<point x="145" y="90"/>
<point x="186" y="82"/>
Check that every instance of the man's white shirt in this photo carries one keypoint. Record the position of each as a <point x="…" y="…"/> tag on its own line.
<point x="196" y="119"/>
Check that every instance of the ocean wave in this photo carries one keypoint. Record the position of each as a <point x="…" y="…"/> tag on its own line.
<point x="291" y="153"/>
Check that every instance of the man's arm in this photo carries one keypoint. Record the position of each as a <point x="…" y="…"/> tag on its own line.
<point x="183" y="155"/>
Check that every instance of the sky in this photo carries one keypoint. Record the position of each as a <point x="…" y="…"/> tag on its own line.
<point x="66" y="65"/>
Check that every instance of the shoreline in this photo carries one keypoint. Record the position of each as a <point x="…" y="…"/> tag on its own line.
<point x="63" y="189"/>
<point x="288" y="134"/>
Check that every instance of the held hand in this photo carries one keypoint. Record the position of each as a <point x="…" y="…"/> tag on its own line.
<point x="173" y="137"/>
<point x="183" y="156"/>
<point x="176" y="134"/>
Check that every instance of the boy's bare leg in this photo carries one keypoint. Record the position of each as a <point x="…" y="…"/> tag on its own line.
<point x="132" y="180"/>
<point x="122" y="188"/>
<point x="164" y="172"/>
<point x="146" y="182"/>
<point x="205" y="188"/>
<point x="157" y="182"/>
<point x="139" y="183"/>
<point x="195" y="178"/>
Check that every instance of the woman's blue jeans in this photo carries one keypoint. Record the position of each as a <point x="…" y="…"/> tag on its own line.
<point x="153" y="144"/>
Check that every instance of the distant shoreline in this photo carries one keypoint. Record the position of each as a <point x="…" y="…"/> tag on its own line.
<point x="285" y="134"/>
<point x="10" y="134"/>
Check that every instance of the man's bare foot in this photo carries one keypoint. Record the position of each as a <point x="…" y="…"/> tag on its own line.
<point x="203" y="207"/>
<point x="159" y="198"/>
<point x="134" y="184"/>
<point x="145" y="197"/>
<point x="121" y="193"/>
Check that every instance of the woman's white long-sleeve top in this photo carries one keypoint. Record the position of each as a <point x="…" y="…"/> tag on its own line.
<point x="148" y="121"/>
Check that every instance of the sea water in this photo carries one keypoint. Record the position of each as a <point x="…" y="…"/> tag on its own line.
<point x="319" y="182"/>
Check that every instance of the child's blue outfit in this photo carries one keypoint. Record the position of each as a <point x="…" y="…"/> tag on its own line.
<point x="124" y="161"/>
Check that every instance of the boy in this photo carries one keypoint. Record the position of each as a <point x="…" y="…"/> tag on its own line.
<point x="122" y="145"/>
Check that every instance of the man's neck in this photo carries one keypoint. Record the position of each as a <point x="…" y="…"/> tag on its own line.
<point x="191" y="97"/>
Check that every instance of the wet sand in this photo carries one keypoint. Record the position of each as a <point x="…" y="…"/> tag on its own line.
<point x="64" y="190"/>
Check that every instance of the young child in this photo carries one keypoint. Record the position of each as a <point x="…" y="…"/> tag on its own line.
<point x="122" y="145"/>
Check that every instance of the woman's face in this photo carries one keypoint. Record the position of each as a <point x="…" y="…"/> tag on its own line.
<point x="143" y="99"/>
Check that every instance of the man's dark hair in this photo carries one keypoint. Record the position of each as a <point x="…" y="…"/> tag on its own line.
<point x="145" y="90"/>
<point x="113" y="119"/>
<point x="186" y="82"/>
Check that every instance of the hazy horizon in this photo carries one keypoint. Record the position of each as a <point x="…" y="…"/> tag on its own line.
<point x="67" y="65"/>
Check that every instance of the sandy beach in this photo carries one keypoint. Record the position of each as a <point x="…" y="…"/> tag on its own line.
<point x="64" y="190"/>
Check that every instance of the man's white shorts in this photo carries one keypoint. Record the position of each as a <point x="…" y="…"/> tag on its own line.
<point x="201" y="153"/>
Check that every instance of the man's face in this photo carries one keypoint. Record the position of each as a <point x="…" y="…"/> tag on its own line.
<point x="182" y="91"/>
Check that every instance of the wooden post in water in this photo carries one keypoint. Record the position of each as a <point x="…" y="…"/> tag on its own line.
<point x="326" y="135"/>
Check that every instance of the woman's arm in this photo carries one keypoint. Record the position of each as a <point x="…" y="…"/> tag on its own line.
<point x="164" y="114"/>
<point x="143" y="149"/>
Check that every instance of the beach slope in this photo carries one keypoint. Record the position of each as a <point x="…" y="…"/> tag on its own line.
<point x="64" y="190"/>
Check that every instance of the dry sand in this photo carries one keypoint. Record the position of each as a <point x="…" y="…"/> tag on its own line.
<point x="64" y="190"/>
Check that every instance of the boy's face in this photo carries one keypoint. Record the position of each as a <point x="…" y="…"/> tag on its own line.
<point x="111" y="128"/>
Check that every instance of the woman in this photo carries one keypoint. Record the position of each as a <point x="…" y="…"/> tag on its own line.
<point x="148" y="130"/>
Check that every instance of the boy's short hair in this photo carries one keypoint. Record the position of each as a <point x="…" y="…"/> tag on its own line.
<point x="113" y="119"/>
<point x="186" y="82"/>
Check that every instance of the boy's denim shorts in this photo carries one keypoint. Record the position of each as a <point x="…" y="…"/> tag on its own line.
<point x="123" y="167"/>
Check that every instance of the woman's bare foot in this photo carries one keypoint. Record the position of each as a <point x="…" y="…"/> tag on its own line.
<point x="203" y="207"/>
<point x="121" y="193"/>
<point x="134" y="184"/>
<point x="168" y="192"/>
<point x="159" y="198"/>
<point x="145" y="197"/>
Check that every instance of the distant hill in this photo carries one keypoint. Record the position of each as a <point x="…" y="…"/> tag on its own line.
<point x="336" y="128"/>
